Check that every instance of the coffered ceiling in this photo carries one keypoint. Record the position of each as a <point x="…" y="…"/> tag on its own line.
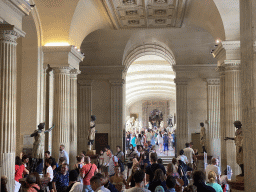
<point x="126" y="14"/>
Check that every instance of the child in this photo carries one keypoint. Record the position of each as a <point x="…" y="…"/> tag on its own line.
<point x="49" y="172"/>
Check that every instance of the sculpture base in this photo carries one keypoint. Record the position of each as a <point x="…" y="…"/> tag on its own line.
<point x="237" y="185"/>
<point x="91" y="152"/>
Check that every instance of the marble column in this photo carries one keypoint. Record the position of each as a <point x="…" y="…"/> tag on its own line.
<point x="8" y="87"/>
<point x="223" y="148"/>
<point x="73" y="115"/>
<point x="182" y="113"/>
<point x="232" y="108"/>
<point x="61" y="132"/>
<point x="85" y="112"/>
<point x="213" y="133"/>
<point x="248" y="86"/>
<point x="116" y="133"/>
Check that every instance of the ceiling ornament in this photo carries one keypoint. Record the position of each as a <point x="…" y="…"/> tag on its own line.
<point x="127" y="14"/>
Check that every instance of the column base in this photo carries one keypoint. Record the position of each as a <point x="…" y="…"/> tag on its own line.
<point x="8" y="169"/>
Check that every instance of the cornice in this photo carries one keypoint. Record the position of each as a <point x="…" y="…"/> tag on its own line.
<point x="231" y="45"/>
<point x="116" y="82"/>
<point x="231" y="65"/>
<point x="23" y="6"/>
<point x="85" y="82"/>
<point x="184" y="68"/>
<point x="101" y="69"/>
<point x="181" y="81"/>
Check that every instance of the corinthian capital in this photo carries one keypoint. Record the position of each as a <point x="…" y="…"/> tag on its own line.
<point x="10" y="34"/>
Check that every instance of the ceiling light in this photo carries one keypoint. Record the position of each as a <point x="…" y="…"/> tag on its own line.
<point x="57" y="44"/>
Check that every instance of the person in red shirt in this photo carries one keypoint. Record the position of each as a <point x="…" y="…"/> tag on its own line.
<point x="19" y="168"/>
<point x="87" y="172"/>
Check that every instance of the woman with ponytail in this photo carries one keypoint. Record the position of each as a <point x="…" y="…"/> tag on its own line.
<point x="212" y="181"/>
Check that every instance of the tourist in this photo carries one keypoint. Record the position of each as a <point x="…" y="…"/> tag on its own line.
<point x="25" y="161"/>
<point x="19" y="168"/>
<point x="96" y="185"/>
<point x="224" y="181"/>
<point x="49" y="172"/>
<point x="166" y="142"/>
<point x="130" y="181"/>
<point x="212" y="181"/>
<point x="160" y="141"/>
<point x="4" y="183"/>
<point x="79" y="164"/>
<point x="153" y="138"/>
<point x="31" y="183"/>
<point x="118" y="180"/>
<point x="213" y="167"/>
<point x="170" y="184"/>
<point x="100" y="161"/>
<point x="150" y="170"/>
<point x="138" y="178"/>
<point x="61" y="162"/>
<point x="128" y="139"/>
<point x="74" y="184"/>
<point x="105" y="182"/>
<point x="199" y="182"/>
<point x="182" y="157"/>
<point x="48" y="156"/>
<point x="87" y="172"/>
<point x="133" y="140"/>
<point x="60" y="181"/>
<point x="189" y="153"/>
<point x="63" y="153"/>
<point x="112" y="163"/>
<point x="131" y="153"/>
<point x="159" y="179"/>
<point x="106" y="159"/>
<point x="172" y="170"/>
<point x="148" y="137"/>
<point x="182" y="170"/>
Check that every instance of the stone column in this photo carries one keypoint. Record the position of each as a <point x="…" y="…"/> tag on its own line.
<point x="85" y="112"/>
<point x="8" y="87"/>
<point x="116" y="113"/>
<point x="248" y="86"/>
<point x="213" y="133"/>
<point x="232" y="108"/>
<point x="182" y="113"/>
<point x="73" y="115"/>
<point x="223" y="159"/>
<point x="61" y="132"/>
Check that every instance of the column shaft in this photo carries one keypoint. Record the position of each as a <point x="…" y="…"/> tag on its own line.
<point x="61" y="132"/>
<point x="116" y="113"/>
<point x="232" y="109"/>
<point x="85" y="112"/>
<point x="8" y="87"/>
<point x="213" y="134"/>
<point x="73" y="116"/>
<point x="182" y="114"/>
<point x="248" y="86"/>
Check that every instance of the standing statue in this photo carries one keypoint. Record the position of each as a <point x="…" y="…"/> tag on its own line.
<point x="91" y="134"/>
<point x="38" y="145"/>
<point x="239" y="145"/>
<point x="203" y="137"/>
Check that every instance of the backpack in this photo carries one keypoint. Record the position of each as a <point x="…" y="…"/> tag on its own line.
<point x="120" y="163"/>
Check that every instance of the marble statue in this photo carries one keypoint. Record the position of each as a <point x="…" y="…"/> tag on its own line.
<point x="203" y="137"/>
<point x="91" y="134"/>
<point x="239" y="145"/>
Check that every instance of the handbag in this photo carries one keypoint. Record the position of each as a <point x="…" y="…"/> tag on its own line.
<point x="88" y="172"/>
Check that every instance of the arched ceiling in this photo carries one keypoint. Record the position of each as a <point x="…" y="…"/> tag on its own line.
<point x="150" y="77"/>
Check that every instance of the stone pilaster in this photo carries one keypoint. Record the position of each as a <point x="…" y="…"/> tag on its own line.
<point x="182" y="113"/>
<point x="8" y="87"/>
<point x="232" y="108"/>
<point x="213" y="133"/>
<point x="223" y="158"/>
<point x="61" y="132"/>
<point x="248" y="86"/>
<point x="116" y="113"/>
<point x="85" y="112"/>
<point x="73" y="115"/>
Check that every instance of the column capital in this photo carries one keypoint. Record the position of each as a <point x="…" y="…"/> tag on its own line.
<point x="9" y="33"/>
<point x="63" y="70"/>
<point x="74" y="73"/>
<point x="62" y="56"/>
<point x="232" y="65"/>
<point x="181" y="81"/>
<point x="116" y="82"/>
<point x="213" y="81"/>
<point x="85" y="82"/>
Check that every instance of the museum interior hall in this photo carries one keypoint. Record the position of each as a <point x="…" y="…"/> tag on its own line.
<point x="129" y="73"/>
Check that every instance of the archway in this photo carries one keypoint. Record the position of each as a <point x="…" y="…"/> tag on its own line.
<point x="150" y="96"/>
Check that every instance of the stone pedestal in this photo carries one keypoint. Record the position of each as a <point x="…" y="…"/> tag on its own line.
<point x="85" y="112"/>
<point x="116" y="133"/>
<point x="8" y="87"/>
<point x="73" y="116"/>
<point x="182" y="113"/>
<point x="213" y="133"/>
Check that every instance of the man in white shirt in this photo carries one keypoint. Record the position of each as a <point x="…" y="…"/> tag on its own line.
<point x="96" y="185"/>
<point x="182" y="157"/>
<point x="189" y="153"/>
<point x="106" y="159"/>
<point x="63" y="153"/>
<point x="213" y="167"/>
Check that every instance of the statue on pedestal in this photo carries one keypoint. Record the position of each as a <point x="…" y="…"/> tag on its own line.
<point x="239" y="145"/>
<point x="91" y="134"/>
<point x="38" y="145"/>
<point x="203" y="137"/>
